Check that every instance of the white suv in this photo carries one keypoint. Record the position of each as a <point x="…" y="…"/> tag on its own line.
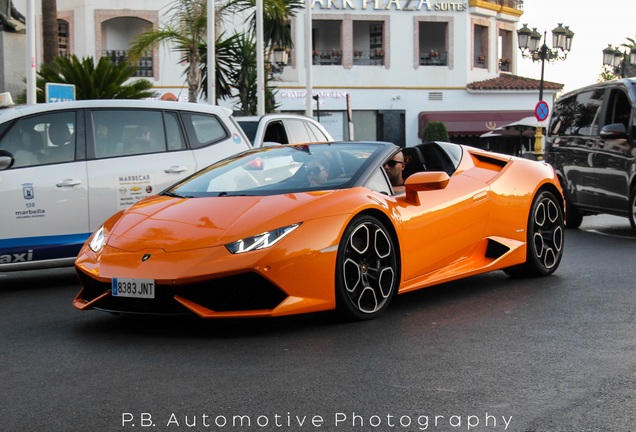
<point x="66" y="167"/>
<point x="283" y="128"/>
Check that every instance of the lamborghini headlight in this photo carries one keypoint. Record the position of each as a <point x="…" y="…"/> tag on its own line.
<point x="261" y="241"/>
<point x="97" y="241"/>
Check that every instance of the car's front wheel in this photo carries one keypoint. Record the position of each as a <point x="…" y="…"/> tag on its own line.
<point x="544" y="237"/>
<point x="366" y="270"/>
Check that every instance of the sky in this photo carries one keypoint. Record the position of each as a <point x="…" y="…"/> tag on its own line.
<point x="595" y="23"/>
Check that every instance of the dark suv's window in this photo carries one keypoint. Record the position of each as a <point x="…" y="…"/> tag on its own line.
<point x="618" y="108"/>
<point x="577" y="115"/>
<point x="562" y="116"/>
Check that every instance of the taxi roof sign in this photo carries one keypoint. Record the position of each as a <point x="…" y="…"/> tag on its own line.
<point x="6" y="100"/>
<point x="59" y="92"/>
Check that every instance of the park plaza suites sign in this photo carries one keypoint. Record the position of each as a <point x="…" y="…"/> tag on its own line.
<point x="402" y="5"/>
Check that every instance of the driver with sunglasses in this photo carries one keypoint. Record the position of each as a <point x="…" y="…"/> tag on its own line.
<point x="393" y="168"/>
<point x="317" y="172"/>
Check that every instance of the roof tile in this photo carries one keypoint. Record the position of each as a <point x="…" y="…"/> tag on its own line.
<point x="513" y="82"/>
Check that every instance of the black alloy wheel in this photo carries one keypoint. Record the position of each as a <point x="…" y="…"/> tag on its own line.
<point x="366" y="269"/>
<point x="545" y="237"/>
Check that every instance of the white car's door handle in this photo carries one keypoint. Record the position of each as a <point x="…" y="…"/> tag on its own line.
<point x="176" y="169"/>
<point x="68" y="183"/>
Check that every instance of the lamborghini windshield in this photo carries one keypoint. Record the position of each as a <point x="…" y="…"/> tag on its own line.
<point x="281" y="169"/>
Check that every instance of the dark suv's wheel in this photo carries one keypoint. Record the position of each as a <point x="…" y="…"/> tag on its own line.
<point x="544" y="237"/>
<point x="632" y="208"/>
<point x="366" y="269"/>
<point x="573" y="218"/>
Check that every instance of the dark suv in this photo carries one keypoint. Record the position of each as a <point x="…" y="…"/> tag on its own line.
<point x="591" y="144"/>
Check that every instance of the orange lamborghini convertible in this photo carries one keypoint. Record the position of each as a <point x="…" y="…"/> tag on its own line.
<point x="303" y="228"/>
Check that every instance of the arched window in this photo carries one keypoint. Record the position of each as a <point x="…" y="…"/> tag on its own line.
<point x="118" y="34"/>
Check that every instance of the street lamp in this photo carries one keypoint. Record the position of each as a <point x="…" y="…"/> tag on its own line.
<point x="619" y="60"/>
<point x="317" y="99"/>
<point x="279" y="59"/>
<point x="532" y="48"/>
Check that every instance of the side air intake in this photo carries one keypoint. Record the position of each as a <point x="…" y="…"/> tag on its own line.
<point x="495" y="249"/>
<point x="489" y="162"/>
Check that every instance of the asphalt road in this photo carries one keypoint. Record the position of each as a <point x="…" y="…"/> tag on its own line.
<point x="488" y="353"/>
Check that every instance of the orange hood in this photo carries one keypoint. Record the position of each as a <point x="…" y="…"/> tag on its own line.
<point x="175" y="224"/>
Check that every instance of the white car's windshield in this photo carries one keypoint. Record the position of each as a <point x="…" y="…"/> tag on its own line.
<point x="281" y="169"/>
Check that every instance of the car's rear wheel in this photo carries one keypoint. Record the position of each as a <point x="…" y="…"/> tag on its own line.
<point x="545" y="237"/>
<point x="366" y="270"/>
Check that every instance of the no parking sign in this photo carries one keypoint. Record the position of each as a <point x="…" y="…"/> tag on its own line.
<point x="542" y="111"/>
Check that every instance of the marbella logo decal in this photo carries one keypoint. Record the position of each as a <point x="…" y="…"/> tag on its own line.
<point x="27" y="191"/>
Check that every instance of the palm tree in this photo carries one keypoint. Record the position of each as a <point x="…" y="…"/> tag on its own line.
<point x="187" y="32"/>
<point x="50" y="46"/>
<point x="276" y="20"/>
<point x="242" y="76"/>
<point x="236" y="73"/>
<point x="236" y="55"/>
<point x="106" y="81"/>
<point x="224" y="50"/>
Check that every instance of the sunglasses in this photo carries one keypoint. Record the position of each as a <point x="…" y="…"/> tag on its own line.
<point x="392" y="163"/>
<point x="314" y="170"/>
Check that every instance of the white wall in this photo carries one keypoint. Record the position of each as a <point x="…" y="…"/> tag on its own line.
<point x="402" y="86"/>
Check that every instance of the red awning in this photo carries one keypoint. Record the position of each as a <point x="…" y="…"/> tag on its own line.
<point x="470" y="122"/>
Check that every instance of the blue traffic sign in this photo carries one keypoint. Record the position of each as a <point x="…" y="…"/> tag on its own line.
<point x="542" y="111"/>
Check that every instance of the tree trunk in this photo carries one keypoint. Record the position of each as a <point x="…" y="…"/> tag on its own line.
<point x="194" y="76"/>
<point x="50" y="45"/>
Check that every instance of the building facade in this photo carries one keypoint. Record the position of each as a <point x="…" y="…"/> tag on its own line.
<point x="398" y="64"/>
<point x="379" y="69"/>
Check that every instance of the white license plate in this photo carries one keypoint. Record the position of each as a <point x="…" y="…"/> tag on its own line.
<point x="137" y="288"/>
